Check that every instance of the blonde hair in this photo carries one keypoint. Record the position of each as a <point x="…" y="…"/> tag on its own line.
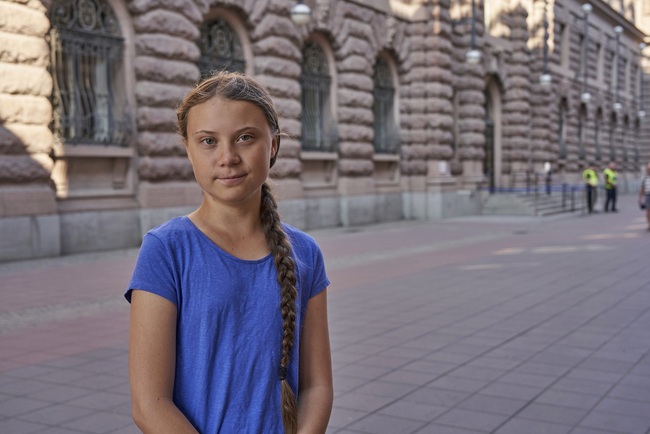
<point x="238" y="87"/>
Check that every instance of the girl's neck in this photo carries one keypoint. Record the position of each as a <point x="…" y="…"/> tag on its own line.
<point x="237" y="231"/>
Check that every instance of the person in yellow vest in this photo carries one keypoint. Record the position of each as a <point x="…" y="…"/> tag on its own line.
<point x="591" y="184"/>
<point x="610" y="187"/>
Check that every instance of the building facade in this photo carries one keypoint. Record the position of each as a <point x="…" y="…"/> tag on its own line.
<point x="392" y="109"/>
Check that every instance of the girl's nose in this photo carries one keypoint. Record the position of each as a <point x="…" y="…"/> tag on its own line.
<point x="227" y="155"/>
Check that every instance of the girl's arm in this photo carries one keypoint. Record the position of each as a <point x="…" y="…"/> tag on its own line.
<point x="315" y="391"/>
<point x="152" y="360"/>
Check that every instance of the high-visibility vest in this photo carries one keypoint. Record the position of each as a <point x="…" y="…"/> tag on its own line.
<point x="590" y="177"/>
<point x="610" y="178"/>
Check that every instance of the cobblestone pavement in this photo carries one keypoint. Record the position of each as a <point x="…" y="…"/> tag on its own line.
<point x="472" y="325"/>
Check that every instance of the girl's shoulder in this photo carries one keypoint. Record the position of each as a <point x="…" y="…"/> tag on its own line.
<point x="171" y="228"/>
<point x="300" y="240"/>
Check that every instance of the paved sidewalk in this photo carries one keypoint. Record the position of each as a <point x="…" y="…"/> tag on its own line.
<point x="472" y="325"/>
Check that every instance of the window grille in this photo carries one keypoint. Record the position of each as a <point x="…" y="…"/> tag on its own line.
<point x="318" y="131"/>
<point x="86" y="53"/>
<point x="386" y="138"/>
<point x="220" y="49"/>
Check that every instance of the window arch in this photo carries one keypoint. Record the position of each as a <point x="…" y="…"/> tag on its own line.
<point x="386" y="138"/>
<point x="220" y="48"/>
<point x="318" y="132"/>
<point x="88" y="98"/>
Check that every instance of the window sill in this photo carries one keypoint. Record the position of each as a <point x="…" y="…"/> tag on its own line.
<point x="318" y="156"/>
<point x="93" y="151"/>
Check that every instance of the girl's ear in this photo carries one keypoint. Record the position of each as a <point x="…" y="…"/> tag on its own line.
<point x="275" y="147"/>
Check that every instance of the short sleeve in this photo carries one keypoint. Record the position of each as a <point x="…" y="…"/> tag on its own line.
<point x="320" y="281"/>
<point x="154" y="271"/>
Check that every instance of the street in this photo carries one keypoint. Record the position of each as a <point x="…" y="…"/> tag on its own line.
<point x="508" y="325"/>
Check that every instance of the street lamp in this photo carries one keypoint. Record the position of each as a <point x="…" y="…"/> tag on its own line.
<point x="300" y="13"/>
<point x="545" y="78"/>
<point x="617" y="106"/>
<point x="473" y="56"/>
<point x="641" y="113"/>
<point x="586" y="96"/>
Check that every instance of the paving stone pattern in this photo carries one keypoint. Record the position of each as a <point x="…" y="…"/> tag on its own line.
<point x="473" y="325"/>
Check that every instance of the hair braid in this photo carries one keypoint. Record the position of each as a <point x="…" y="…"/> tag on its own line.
<point x="286" y="268"/>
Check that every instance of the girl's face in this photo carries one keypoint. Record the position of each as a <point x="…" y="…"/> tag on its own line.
<point x="230" y="146"/>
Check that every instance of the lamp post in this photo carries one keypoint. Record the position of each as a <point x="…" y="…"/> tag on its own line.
<point x="641" y="112"/>
<point x="586" y="96"/>
<point x="473" y="56"/>
<point x="617" y="104"/>
<point x="300" y="13"/>
<point x="545" y="78"/>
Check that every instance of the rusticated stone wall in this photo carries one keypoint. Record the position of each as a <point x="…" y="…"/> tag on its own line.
<point x="427" y="47"/>
<point x="516" y="108"/>
<point x="165" y="68"/>
<point x="438" y="82"/>
<point x="469" y="82"/>
<point x="25" y="85"/>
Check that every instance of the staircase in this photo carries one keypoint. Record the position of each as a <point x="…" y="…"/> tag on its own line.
<point x="520" y="203"/>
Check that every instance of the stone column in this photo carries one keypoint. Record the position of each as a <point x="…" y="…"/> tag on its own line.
<point x="469" y="81"/>
<point x="540" y="97"/>
<point x="277" y="48"/>
<point x="516" y="109"/>
<point x="165" y="69"/>
<point x="28" y="223"/>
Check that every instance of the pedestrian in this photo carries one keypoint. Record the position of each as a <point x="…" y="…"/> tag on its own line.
<point x="591" y="185"/>
<point x="644" y="194"/>
<point x="609" y="176"/>
<point x="228" y="304"/>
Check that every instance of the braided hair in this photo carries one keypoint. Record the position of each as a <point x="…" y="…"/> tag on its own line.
<point x="236" y="86"/>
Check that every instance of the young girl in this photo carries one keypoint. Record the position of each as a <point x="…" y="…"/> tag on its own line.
<point x="228" y="305"/>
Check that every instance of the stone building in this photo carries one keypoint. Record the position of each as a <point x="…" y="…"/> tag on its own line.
<point x="393" y="109"/>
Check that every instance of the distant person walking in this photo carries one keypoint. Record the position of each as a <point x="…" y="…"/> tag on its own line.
<point x="609" y="175"/>
<point x="644" y="194"/>
<point x="591" y="185"/>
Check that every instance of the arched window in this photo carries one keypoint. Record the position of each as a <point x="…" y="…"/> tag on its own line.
<point x="612" y="132"/>
<point x="599" y="120"/>
<point x="626" y="126"/>
<point x="386" y="138"/>
<point x="582" y="120"/>
<point x="562" y="151"/>
<point x="88" y="98"/>
<point x="637" y="139"/>
<point x="220" y="48"/>
<point x="318" y="133"/>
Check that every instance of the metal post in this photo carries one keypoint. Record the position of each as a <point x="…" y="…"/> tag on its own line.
<point x="586" y="48"/>
<point x="473" y="40"/>
<point x="641" y="112"/>
<point x="618" y="30"/>
<point x="545" y="65"/>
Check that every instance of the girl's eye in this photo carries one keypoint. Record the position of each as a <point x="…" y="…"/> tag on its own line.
<point x="245" y="138"/>
<point x="209" y="141"/>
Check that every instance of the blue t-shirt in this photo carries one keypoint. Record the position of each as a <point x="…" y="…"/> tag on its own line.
<point x="229" y="324"/>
